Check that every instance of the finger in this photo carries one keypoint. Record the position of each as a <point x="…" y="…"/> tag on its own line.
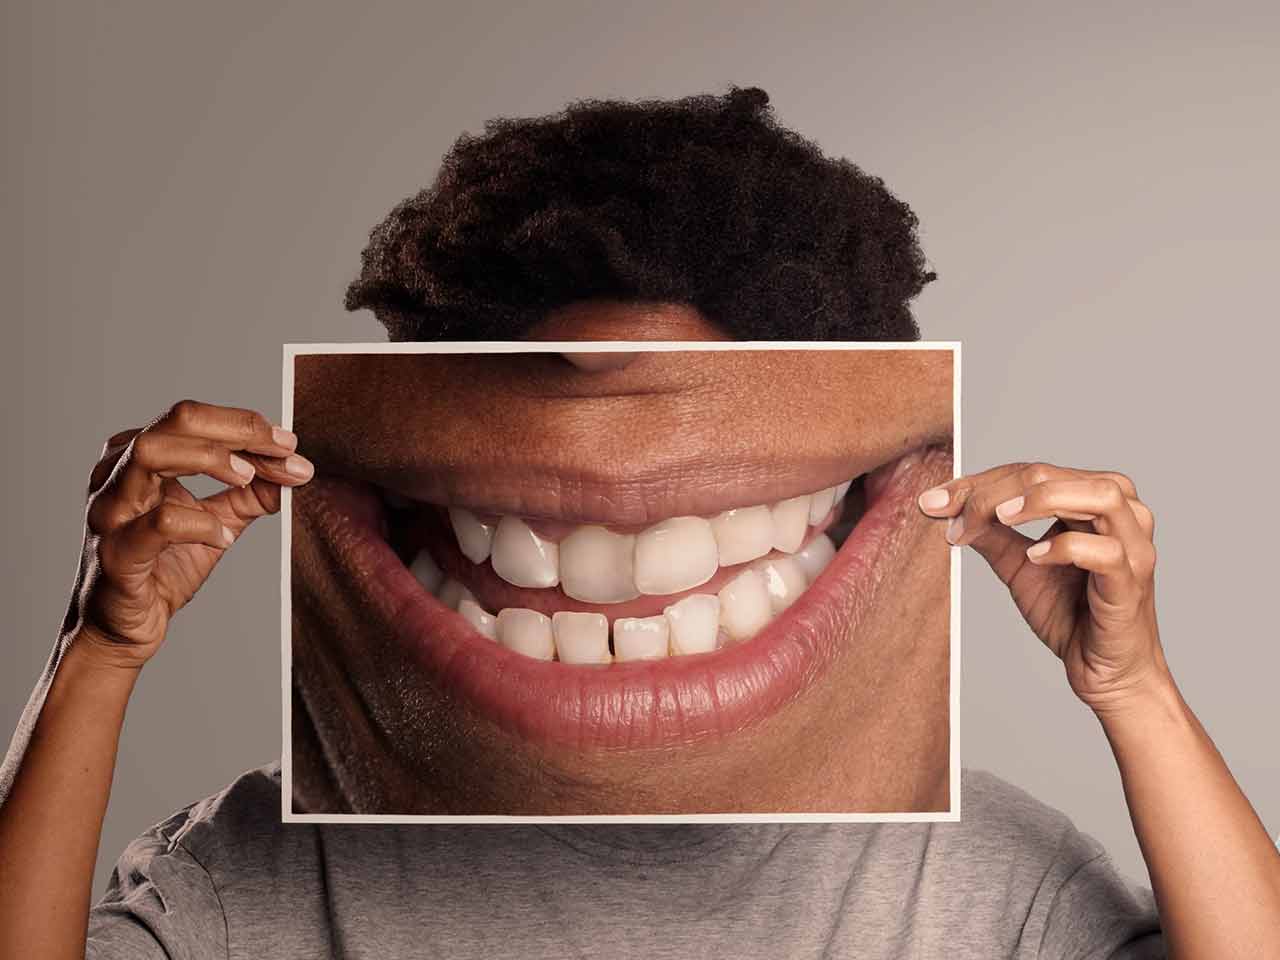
<point x="136" y="482"/>
<point x="1099" y="498"/>
<point x="977" y="513"/>
<point x="1103" y="556"/>
<point x="173" y="490"/>
<point x="237" y="507"/>
<point x="949" y="498"/>
<point x="289" y="471"/>
<point x="133" y="548"/>
<point x="118" y="441"/>
<point x="1126" y="483"/>
<point x="235" y="427"/>
<point x="153" y="456"/>
<point x="108" y="512"/>
<point x="110" y="456"/>
<point x="1004" y="549"/>
<point x="1146" y="519"/>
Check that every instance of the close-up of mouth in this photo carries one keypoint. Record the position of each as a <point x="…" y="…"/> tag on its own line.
<point x="624" y="635"/>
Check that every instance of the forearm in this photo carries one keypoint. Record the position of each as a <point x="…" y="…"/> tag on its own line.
<point x="51" y="821"/>
<point x="1214" y="870"/>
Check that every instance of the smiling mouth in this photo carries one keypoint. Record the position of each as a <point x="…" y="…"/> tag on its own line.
<point x="601" y="635"/>
<point x="592" y="594"/>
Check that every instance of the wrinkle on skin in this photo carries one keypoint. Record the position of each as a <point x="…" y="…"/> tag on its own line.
<point x="870" y="734"/>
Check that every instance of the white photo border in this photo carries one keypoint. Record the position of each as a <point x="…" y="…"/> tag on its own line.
<point x="294" y="350"/>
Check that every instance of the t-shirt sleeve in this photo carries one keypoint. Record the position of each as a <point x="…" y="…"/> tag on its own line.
<point x="160" y="903"/>
<point x="1091" y="911"/>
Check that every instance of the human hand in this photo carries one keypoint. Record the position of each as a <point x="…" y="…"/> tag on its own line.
<point x="149" y="542"/>
<point x="1086" y="587"/>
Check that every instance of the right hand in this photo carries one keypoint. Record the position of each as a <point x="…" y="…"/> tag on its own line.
<point x="149" y="543"/>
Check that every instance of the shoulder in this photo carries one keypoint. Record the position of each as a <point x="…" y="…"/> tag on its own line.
<point x="1083" y="905"/>
<point x="1004" y="830"/>
<point x="166" y="889"/>
<point x="234" y="830"/>
<point x="249" y="804"/>
<point x="996" y="814"/>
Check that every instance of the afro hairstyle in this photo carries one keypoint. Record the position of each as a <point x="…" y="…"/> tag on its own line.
<point x="703" y="200"/>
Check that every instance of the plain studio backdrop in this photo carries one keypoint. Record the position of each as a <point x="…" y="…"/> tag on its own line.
<point x="185" y="187"/>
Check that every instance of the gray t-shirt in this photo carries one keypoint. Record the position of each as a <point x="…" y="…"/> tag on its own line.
<point x="224" y="878"/>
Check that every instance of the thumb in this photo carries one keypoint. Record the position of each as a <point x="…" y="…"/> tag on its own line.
<point x="237" y="507"/>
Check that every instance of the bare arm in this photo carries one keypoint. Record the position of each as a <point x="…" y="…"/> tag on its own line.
<point x="52" y="818"/>
<point x="149" y="546"/>
<point x="1214" y="869"/>
<point x="1087" y="590"/>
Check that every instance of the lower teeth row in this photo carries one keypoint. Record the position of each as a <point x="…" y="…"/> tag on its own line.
<point x="698" y="623"/>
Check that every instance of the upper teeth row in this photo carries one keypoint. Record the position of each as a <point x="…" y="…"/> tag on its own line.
<point x="596" y="565"/>
<point x="697" y="623"/>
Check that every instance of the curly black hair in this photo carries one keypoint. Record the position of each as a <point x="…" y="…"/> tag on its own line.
<point x="704" y="200"/>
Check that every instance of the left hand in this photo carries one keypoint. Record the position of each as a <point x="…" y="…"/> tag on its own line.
<point x="1089" y="593"/>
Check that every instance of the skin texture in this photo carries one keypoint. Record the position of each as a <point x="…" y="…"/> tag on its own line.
<point x="662" y="435"/>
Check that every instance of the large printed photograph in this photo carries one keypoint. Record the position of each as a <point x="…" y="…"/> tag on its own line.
<point x="621" y="581"/>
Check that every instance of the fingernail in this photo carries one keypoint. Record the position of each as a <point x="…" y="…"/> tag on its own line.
<point x="299" y="466"/>
<point x="228" y="538"/>
<point x="243" y="467"/>
<point x="1037" y="549"/>
<point x="955" y="528"/>
<point x="1010" y="508"/>
<point x="934" y="499"/>
<point x="284" y="438"/>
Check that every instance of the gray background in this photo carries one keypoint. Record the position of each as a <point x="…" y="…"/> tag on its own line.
<point x="185" y="187"/>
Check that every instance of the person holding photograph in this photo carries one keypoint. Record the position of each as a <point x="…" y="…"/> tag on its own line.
<point x="696" y="219"/>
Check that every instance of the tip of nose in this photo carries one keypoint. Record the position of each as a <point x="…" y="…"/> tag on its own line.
<point x="596" y="362"/>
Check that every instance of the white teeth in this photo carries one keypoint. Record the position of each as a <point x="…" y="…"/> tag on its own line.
<point x="523" y="558"/>
<point x="581" y="637"/>
<point x="527" y="632"/>
<point x="820" y="504"/>
<point x="426" y="570"/>
<point x="695" y="623"/>
<point x="813" y="559"/>
<point x="790" y="521"/>
<point x="598" y="566"/>
<point x="475" y="539"/>
<point x="743" y="534"/>
<point x="675" y="555"/>
<point x="783" y="580"/>
<point x="640" y="638"/>
<point x="744" y="605"/>
<point x="479" y="618"/>
<point x="453" y="593"/>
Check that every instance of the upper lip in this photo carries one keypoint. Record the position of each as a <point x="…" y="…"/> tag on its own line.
<point x="651" y="485"/>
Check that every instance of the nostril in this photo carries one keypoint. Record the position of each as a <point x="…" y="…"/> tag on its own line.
<point x="598" y="362"/>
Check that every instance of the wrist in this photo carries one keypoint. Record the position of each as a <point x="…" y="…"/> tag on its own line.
<point x="1151" y="704"/>
<point x="89" y="665"/>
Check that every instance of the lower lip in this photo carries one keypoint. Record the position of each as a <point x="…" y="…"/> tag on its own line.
<point x="640" y="704"/>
